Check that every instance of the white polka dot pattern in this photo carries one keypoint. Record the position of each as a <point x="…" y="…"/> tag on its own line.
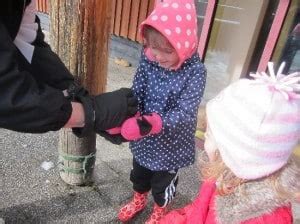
<point x="175" y="5"/>
<point x="168" y="32"/>
<point x="188" y="17"/>
<point x="175" y="95"/>
<point x="164" y="18"/>
<point x="178" y="18"/>
<point x="154" y="17"/>
<point x="188" y="6"/>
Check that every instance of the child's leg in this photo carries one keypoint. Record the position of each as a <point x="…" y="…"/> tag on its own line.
<point x="164" y="185"/>
<point x="140" y="177"/>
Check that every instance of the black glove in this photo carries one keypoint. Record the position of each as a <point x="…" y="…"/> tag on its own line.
<point x="106" y="110"/>
<point x="115" y="139"/>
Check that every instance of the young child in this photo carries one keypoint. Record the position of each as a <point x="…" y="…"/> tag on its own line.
<point x="253" y="126"/>
<point x="169" y="85"/>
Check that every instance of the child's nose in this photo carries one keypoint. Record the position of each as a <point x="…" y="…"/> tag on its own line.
<point x="158" y="56"/>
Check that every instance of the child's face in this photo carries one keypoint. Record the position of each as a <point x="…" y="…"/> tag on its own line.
<point x="162" y="50"/>
<point x="210" y="145"/>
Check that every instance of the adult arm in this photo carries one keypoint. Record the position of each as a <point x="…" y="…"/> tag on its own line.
<point x="47" y="66"/>
<point x="26" y="105"/>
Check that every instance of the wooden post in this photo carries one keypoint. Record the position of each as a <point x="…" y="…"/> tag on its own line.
<point x="79" y="35"/>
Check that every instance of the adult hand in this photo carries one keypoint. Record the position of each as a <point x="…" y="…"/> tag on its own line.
<point x="106" y="110"/>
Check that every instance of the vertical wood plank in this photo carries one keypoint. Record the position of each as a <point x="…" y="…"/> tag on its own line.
<point x="151" y="6"/>
<point x="42" y="6"/>
<point x="142" y="16"/>
<point x="118" y="17"/>
<point x="113" y="13"/>
<point x="133" y="23"/>
<point x="125" y="18"/>
<point x="38" y="5"/>
<point x="46" y="6"/>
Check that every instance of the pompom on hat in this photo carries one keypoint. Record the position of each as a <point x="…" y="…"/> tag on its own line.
<point x="256" y="123"/>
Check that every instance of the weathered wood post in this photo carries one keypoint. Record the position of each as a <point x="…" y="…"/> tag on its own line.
<point x="79" y="35"/>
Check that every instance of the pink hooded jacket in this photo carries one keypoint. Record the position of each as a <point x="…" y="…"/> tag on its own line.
<point x="202" y="211"/>
<point x="177" y="21"/>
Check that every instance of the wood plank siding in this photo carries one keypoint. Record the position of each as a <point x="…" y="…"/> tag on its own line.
<point x="127" y="15"/>
<point x="42" y="6"/>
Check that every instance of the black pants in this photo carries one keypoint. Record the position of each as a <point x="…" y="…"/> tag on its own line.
<point x="162" y="183"/>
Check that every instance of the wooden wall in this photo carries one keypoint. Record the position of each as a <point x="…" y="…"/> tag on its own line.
<point x="42" y="6"/>
<point x="126" y="16"/>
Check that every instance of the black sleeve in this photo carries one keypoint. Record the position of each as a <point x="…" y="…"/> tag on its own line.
<point x="47" y="66"/>
<point x="25" y="105"/>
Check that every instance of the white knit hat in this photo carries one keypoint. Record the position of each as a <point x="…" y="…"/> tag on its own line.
<point x="256" y="123"/>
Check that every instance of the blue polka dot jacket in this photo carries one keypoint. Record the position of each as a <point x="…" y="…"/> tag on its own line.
<point x="175" y="95"/>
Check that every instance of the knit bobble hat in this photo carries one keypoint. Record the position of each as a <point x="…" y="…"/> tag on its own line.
<point x="256" y="123"/>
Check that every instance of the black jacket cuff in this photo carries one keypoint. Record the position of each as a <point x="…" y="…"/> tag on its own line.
<point x="89" y="115"/>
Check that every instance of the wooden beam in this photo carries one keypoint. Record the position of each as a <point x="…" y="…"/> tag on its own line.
<point x="80" y="32"/>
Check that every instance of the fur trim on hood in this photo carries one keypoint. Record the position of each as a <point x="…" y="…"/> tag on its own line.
<point x="258" y="197"/>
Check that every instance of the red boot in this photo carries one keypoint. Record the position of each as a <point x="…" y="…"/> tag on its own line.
<point x="137" y="204"/>
<point x="156" y="215"/>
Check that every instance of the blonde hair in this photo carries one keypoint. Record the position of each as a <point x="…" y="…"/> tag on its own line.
<point x="149" y="30"/>
<point x="228" y="182"/>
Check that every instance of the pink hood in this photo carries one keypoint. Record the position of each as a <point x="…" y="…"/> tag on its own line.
<point x="177" y="21"/>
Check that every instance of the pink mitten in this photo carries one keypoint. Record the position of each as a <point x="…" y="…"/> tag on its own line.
<point x="117" y="130"/>
<point x="137" y="127"/>
<point x="114" y="131"/>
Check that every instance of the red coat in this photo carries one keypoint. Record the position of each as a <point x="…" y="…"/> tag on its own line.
<point x="201" y="211"/>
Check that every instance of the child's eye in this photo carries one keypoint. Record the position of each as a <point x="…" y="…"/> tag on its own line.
<point x="169" y="52"/>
